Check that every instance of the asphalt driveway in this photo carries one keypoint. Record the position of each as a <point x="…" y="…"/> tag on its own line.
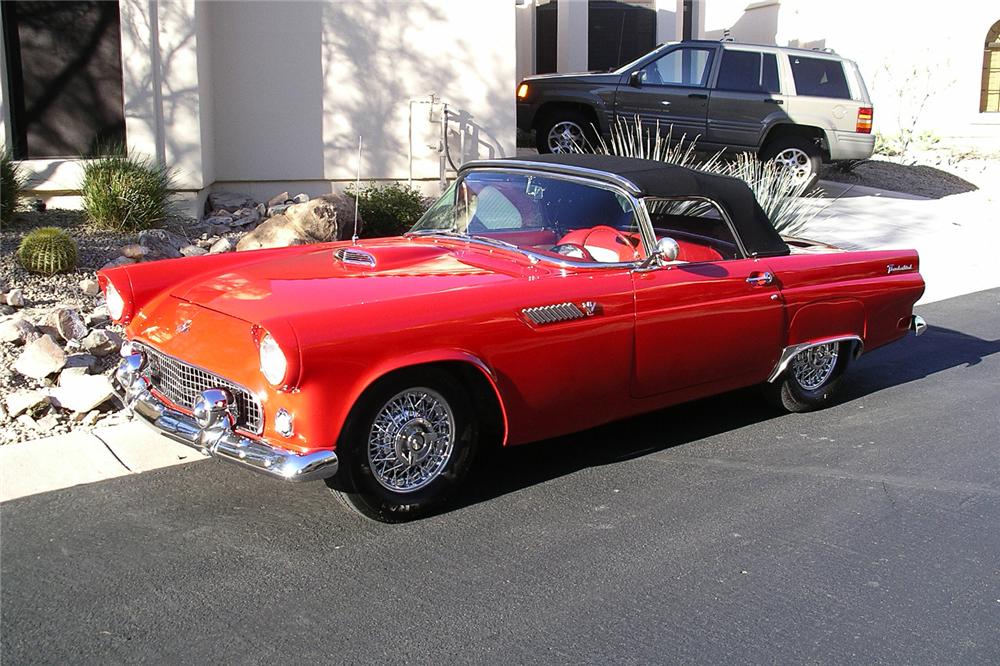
<point x="712" y="532"/>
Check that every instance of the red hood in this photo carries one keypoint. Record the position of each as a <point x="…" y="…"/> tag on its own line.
<point x="312" y="280"/>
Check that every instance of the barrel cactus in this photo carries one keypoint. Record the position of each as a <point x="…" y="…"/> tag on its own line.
<point x="48" y="250"/>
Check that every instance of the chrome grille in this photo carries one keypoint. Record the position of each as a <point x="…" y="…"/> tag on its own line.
<point x="182" y="383"/>
<point x="552" y="314"/>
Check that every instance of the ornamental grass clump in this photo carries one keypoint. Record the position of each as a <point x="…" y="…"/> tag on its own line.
<point x="124" y="192"/>
<point x="47" y="250"/>
<point x="387" y="210"/>
<point x="11" y="184"/>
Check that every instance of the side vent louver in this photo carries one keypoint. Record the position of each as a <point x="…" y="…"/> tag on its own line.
<point x="352" y="255"/>
<point x="553" y="314"/>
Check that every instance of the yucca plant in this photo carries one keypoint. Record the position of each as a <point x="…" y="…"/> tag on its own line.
<point x="126" y="192"/>
<point x="788" y="204"/>
<point x="11" y="183"/>
<point x="48" y="250"/>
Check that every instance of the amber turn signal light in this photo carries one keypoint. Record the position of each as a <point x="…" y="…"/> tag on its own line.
<point x="522" y="91"/>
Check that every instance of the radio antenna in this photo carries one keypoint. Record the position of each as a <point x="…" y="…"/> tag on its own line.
<point x="357" y="195"/>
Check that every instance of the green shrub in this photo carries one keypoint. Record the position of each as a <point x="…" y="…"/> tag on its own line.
<point x="47" y="250"/>
<point x="11" y="184"/>
<point x="124" y="192"/>
<point x="387" y="210"/>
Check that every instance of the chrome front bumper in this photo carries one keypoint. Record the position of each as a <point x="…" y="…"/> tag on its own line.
<point x="214" y="435"/>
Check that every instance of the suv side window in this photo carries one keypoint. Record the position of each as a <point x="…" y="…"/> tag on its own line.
<point x="819" y="77"/>
<point x="748" y="71"/>
<point x="680" y="67"/>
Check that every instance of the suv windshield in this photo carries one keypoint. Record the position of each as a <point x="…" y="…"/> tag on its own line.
<point x="545" y="215"/>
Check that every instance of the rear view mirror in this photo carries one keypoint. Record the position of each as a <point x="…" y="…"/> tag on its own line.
<point x="635" y="79"/>
<point x="666" y="250"/>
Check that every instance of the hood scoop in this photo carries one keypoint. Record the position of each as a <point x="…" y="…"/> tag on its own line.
<point x="355" y="256"/>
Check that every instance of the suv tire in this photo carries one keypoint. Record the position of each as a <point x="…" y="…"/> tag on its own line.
<point x="797" y="153"/>
<point x="567" y="127"/>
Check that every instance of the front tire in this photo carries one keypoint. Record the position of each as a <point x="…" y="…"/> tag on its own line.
<point x="811" y="379"/>
<point x="564" y="131"/>
<point x="799" y="155"/>
<point x="407" y="447"/>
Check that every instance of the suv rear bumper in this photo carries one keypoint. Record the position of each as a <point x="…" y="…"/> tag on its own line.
<point x="850" y="145"/>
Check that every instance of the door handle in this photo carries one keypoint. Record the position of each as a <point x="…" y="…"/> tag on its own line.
<point x="774" y="101"/>
<point x="698" y="96"/>
<point x="760" y="279"/>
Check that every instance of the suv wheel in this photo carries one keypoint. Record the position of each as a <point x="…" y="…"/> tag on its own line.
<point x="797" y="154"/>
<point x="564" y="131"/>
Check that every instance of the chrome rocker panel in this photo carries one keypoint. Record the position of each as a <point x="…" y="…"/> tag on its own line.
<point x="217" y="440"/>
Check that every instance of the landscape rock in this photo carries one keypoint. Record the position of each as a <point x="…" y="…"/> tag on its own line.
<point x="25" y="401"/>
<point x="26" y="422"/>
<point x="41" y="358"/>
<point x="81" y="393"/>
<point x="102" y="342"/>
<point x="279" y="209"/>
<point x="301" y="197"/>
<point x="220" y="246"/>
<point x="17" y="330"/>
<point x="15" y="298"/>
<point x="85" y="362"/>
<point x="229" y="200"/>
<point x="162" y="243"/>
<point x="90" y="287"/>
<point x="47" y="423"/>
<point x="99" y="317"/>
<point x="120" y="261"/>
<point x="6" y="309"/>
<point x="193" y="251"/>
<point x="278" y="199"/>
<point x="219" y="220"/>
<point x="245" y="216"/>
<point x="329" y="217"/>
<point x="206" y="243"/>
<point x="135" y="251"/>
<point x="68" y="323"/>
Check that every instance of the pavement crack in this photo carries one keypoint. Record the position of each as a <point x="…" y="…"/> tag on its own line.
<point x="112" y="452"/>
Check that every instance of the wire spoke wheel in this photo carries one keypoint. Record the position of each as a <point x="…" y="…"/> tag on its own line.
<point x="566" y="137"/>
<point x="812" y="367"/>
<point x="796" y="161"/>
<point x="411" y="440"/>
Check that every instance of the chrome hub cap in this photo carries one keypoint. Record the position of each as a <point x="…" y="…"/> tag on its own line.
<point x="566" y="137"/>
<point x="813" y="367"/>
<point x="411" y="440"/>
<point x="796" y="162"/>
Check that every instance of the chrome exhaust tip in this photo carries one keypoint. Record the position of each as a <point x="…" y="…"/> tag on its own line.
<point x="918" y="325"/>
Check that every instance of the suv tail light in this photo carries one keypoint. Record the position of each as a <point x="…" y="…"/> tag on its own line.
<point x="864" y="125"/>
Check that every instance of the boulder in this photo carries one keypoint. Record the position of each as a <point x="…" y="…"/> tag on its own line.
<point x="220" y="246"/>
<point x="18" y="330"/>
<point x="135" y="251"/>
<point x="81" y="393"/>
<point x="278" y="199"/>
<point x="162" y="243"/>
<point x="85" y="362"/>
<point x="120" y="261"/>
<point x="102" y="342"/>
<point x="15" y="298"/>
<point x="41" y="358"/>
<point x="193" y="251"/>
<point x="329" y="217"/>
<point x="229" y="200"/>
<point x="90" y="287"/>
<point x="25" y="401"/>
<point x="68" y="323"/>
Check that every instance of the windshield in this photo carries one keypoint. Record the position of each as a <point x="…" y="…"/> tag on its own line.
<point x="542" y="214"/>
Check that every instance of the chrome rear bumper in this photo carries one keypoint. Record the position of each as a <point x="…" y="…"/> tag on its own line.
<point x="216" y="437"/>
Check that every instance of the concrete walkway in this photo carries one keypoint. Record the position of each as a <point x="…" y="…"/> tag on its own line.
<point x="956" y="237"/>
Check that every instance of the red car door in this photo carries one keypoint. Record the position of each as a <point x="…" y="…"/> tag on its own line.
<point x="719" y="322"/>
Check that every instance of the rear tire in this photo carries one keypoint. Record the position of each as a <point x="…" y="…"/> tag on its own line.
<point x="811" y="378"/>
<point x="563" y="129"/>
<point x="407" y="447"/>
<point x="800" y="155"/>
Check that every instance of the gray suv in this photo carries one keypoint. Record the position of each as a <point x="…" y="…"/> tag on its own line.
<point x="796" y="106"/>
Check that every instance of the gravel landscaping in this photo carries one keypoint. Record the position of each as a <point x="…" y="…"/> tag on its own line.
<point x="934" y="174"/>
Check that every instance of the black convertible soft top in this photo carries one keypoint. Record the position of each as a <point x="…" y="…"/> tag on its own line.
<point x="659" y="179"/>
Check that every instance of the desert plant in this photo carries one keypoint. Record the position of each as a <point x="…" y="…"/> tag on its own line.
<point x="11" y="184"/>
<point x="389" y="209"/>
<point x="126" y="192"/>
<point x="47" y="250"/>
<point x="632" y="139"/>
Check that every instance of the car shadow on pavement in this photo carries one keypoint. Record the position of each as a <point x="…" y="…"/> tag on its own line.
<point x="520" y="467"/>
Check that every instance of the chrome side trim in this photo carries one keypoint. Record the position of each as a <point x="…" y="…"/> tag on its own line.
<point x="918" y="325"/>
<point x="352" y="255"/>
<point x="553" y="314"/>
<point x="792" y="350"/>
<point x="217" y="439"/>
<point x="564" y="169"/>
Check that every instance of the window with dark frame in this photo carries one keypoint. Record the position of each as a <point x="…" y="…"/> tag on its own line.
<point x="819" y="77"/>
<point x="748" y="71"/>
<point x="989" y="97"/>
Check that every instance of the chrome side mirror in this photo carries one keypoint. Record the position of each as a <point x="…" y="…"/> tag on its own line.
<point x="666" y="250"/>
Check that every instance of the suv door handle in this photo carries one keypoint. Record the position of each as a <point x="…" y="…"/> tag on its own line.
<point x="774" y="101"/>
<point x="760" y="279"/>
<point x="698" y="96"/>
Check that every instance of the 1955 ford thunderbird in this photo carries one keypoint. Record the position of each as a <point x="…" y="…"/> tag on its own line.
<point x="534" y="299"/>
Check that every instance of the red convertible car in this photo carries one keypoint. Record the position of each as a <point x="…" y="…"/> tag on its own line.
<point x="535" y="298"/>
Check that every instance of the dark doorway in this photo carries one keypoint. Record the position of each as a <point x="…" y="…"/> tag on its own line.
<point x="620" y="32"/>
<point x="65" y="77"/>
<point x="546" y="36"/>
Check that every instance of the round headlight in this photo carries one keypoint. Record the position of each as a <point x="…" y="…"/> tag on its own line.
<point x="273" y="363"/>
<point x="116" y="304"/>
